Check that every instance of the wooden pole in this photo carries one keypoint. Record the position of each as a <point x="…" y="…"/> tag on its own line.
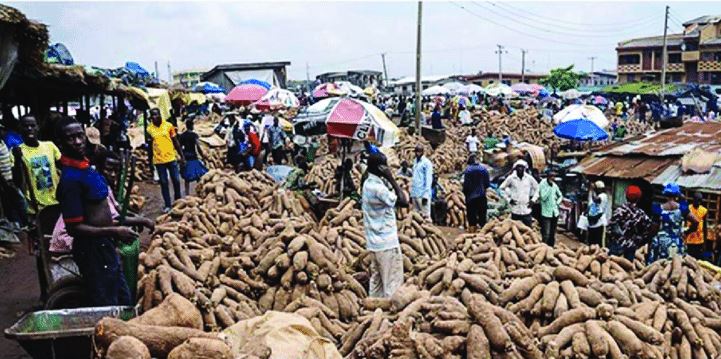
<point x="664" y="57"/>
<point x="419" y="104"/>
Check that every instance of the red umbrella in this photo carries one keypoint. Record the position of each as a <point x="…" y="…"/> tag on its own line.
<point x="245" y="94"/>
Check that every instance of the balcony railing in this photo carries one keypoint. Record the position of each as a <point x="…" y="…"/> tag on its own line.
<point x="629" y="68"/>
<point x="687" y="56"/>
<point x="709" y="66"/>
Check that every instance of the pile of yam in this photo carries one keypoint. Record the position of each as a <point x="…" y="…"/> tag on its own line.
<point x="322" y="173"/>
<point x="682" y="277"/>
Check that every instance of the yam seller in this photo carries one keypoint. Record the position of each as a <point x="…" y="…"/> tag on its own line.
<point x="671" y="215"/>
<point x="630" y="227"/>
<point x="475" y="184"/>
<point x="551" y="197"/>
<point x="695" y="240"/>
<point x="421" y="183"/>
<point x="83" y="196"/>
<point x="379" y="218"/>
<point x="520" y="190"/>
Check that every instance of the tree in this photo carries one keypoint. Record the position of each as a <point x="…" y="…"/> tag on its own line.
<point x="561" y="79"/>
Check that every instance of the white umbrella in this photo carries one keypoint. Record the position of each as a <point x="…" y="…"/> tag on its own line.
<point x="454" y="87"/>
<point x="435" y="90"/>
<point x="469" y="89"/>
<point x="497" y="89"/>
<point x="352" y="90"/>
<point x="570" y="94"/>
<point x="576" y="112"/>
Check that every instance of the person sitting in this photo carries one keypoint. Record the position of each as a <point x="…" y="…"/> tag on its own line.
<point x="296" y="177"/>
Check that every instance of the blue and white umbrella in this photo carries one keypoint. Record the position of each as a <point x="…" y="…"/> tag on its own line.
<point x="256" y="82"/>
<point x="208" y="87"/>
<point x="580" y="130"/>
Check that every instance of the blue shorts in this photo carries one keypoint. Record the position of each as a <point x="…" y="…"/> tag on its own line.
<point x="99" y="264"/>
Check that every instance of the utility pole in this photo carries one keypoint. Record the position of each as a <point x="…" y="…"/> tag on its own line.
<point x="157" y="74"/>
<point x="385" y="70"/>
<point x="170" y="75"/>
<point x="500" y="62"/>
<point x="664" y="56"/>
<point x="592" y="58"/>
<point x="419" y="105"/>
<point x="523" y="65"/>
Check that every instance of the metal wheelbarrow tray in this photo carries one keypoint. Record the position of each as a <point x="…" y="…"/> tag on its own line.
<point x="63" y="333"/>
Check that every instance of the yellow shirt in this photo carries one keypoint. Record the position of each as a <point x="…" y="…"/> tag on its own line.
<point x="697" y="236"/>
<point x="40" y="164"/>
<point x="163" y="149"/>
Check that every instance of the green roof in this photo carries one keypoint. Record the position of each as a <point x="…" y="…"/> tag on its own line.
<point x="638" y="88"/>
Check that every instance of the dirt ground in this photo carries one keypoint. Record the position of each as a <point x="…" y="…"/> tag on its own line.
<point x="21" y="292"/>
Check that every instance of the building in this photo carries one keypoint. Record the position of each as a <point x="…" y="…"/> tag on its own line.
<point x="188" y="78"/>
<point x="650" y="161"/>
<point x="598" y="78"/>
<point x="486" y="78"/>
<point x="361" y="78"/>
<point x="230" y="75"/>
<point x="407" y="85"/>
<point x="694" y="56"/>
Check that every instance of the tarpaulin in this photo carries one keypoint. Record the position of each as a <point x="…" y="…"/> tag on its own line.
<point x="288" y="335"/>
<point x="160" y="99"/>
<point x="8" y="53"/>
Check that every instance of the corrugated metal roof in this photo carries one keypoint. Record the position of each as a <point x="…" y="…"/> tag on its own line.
<point x="674" y="173"/>
<point x="671" y="40"/>
<point x="701" y="20"/>
<point x="624" y="166"/>
<point x="671" y="142"/>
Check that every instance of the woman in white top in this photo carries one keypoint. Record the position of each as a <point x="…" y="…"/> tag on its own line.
<point x="598" y="212"/>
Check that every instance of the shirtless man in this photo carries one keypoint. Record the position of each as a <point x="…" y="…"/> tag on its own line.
<point x="83" y="196"/>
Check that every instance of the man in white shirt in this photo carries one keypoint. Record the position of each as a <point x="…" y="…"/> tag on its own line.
<point x="520" y="190"/>
<point x="378" y="203"/>
<point x="265" y="123"/>
<point x="472" y="142"/>
<point x="421" y="183"/>
<point x="465" y="116"/>
<point x="599" y="215"/>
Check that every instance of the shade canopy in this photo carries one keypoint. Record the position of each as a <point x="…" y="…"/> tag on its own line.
<point x="436" y="90"/>
<point x="245" y="94"/>
<point x="575" y="112"/>
<point x="580" y="130"/>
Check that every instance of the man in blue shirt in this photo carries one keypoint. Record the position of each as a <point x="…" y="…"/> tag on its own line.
<point x="83" y="196"/>
<point x="475" y="183"/>
<point x="379" y="219"/>
<point x="421" y="183"/>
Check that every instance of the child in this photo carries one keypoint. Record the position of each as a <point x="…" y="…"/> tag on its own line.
<point x="194" y="168"/>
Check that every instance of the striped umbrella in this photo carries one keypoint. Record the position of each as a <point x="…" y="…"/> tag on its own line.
<point x="347" y="118"/>
<point x="245" y="94"/>
<point x="277" y="99"/>
<point x="327" y="90"/>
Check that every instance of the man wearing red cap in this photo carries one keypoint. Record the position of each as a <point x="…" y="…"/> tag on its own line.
<point x="630" y="227"/>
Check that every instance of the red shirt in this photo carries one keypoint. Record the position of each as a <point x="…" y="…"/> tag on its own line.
<point x="254" y="143"/>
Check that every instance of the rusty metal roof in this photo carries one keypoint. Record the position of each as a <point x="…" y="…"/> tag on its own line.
<point x="674" y="173"/>
<point x="624" y="166"/>
<point x="671" y="142"/>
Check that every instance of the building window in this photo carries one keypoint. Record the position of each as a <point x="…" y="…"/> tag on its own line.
<point x="717" y="56"/>
<point x="674" y="58"/>
<point x="634" y="59"/>
<point x="715" y="78"/>
<point x="631" y="78"/>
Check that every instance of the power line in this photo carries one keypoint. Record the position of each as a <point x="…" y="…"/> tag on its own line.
<point x="524" y="13"/>
<point x="586" y="45"/>
<point x="572" y="33"/>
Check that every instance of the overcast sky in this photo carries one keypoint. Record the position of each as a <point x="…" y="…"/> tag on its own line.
<point x="458" y="37"/>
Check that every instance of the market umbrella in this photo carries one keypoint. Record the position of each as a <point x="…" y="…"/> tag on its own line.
<point x="589" y="112"/>
<point x="347" y="118"/>
<point x="522" y="88"/>
<point x="454" y="87"/>
<point x="349" y="88"/>
<point x="570" y="94"/>
<point x="498" y="89"/>
<point x="600" y="100"/>
<point x="256" y="82"/>
<point x="326" y="90"/>
<point x="208" y="87"/>
<point x="435" y="90"/>
<point x="461" y="101"/>
<point x="469" y="89"/>
<point x="370" y="91"/>
<point x="277" y="99"/>
<point x="580" y="130"/>
<point x="245" y="94"/>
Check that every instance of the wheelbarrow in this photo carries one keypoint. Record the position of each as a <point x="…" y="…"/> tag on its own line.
<point x="63" y="333"/>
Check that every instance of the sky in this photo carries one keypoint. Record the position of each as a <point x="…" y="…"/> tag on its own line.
<point x="317" y="37"/>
